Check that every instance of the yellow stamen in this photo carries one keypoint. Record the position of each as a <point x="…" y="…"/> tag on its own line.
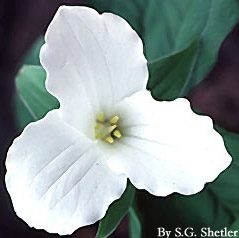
<point x="117" y="133"/>
<point x="111" y="128"/>
<point x="101" y="117"/>
<point x="114" y="120"/>
<point x="109" y="139"/>
<point x="98" y="126"/>
<point x="107" y="129"/>
<point x="98" y="136"/>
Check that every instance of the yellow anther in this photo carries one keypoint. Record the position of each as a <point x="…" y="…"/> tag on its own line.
<point x="117" y="133"/>
<point x="98" y="136"/>
<point x="98" y="126"/>
<point x="109" y="139"/>
<point x="107" y="129"/>
<point x="101" y="117"/>
<point x="111" y="128"/>
<point x="114" y="120"/>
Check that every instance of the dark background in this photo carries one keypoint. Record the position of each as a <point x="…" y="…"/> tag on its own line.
<point x="21" y="23"/>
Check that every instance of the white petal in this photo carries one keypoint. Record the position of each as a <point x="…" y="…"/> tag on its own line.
<point x="165" y="147"/>
<point x="57" y="179"/>
<point x="92" y="61"/>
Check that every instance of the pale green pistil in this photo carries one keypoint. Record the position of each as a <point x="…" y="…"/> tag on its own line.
<point x="107" y="129"/>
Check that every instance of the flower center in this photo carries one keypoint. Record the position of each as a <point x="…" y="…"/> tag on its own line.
<point x="107" y="129"/>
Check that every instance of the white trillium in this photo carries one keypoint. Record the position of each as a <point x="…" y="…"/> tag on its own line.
<point x="66" y="169"/>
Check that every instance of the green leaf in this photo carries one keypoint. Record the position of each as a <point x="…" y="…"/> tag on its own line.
<point x="217" y="206"/>
<point x="135" y="224"/>
<point x="169" y="26"/>
<point x="116" y="213"/>
<point x="23" y="115"/>
<point x="32" y="57"/>
<point x="169" y="76"/>
<point x="231" y="141"/>
<point x="33" y="101"/>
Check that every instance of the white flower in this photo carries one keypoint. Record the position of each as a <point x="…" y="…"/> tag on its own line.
<point x="66" y="169"/>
